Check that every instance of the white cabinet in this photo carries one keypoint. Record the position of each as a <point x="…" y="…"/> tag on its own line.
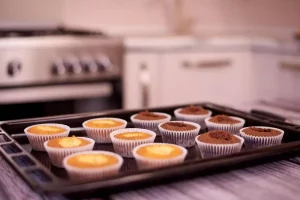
<point x="218" y="77"/>
<point x="289" y="78"/>
<point x="187" y="77"/>
<point x="141" y="80"/>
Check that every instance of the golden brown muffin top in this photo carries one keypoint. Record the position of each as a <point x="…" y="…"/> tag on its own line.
<point x="159" y="151"/>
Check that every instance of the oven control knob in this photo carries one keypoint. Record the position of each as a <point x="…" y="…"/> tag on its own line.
<point x="104" y="64"/>
<point x="58" y="68"/>
<point x="73" y="66"/>
<point x="13" y="68"/>
<point x="88" y="65"/>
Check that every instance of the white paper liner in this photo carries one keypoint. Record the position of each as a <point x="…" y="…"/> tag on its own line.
<point x="182" y="138"/>
<point x="101" y="135"/>
<point x="231" y="128"/>
<point x="209" y="150"/>
<point x="199" y="119"/>
<point x="80" y="174"/>
<point x="150" y="163"/>
<point x="150" y="124"/>
<point x="57" y="154"/>
<point x="37" y="140"/>
<point x="125" y="147"/>
<point x="261" y="141"/>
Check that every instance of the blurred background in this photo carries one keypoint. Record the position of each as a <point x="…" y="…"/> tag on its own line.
<point x="73" y="56"/>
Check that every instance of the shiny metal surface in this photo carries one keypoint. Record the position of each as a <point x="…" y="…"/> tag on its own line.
<point x="59" y="92"/>
<point x="59" y="59"/>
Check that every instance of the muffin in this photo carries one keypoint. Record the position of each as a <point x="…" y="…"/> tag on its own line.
<point x="59" y="148"/>
<point x="193" y="113"/>
<point x="260" y="136"/>
<point x="149" y="120"/>
<point x="156" y="155"/>
<point x="223" y="122"/>
<point x="92" y="165"/>
<point x="99" y="129"/>
<point x="179" y="132"/>
<point x="218" y="142"/>
<point x="40" y="133"/>
<point x="124" y="140"/>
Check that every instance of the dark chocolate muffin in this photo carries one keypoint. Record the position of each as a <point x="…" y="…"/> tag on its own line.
<point x="223" y="119"/>
<point x="257" y="131"/>
<point x="178" y="126"/>
<point x="218" y="137"/>
<point x="146" y="115"/>
<point x="193" y="110"/>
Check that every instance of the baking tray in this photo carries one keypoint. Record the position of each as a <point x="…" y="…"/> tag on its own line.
<point x="35" y="168"/>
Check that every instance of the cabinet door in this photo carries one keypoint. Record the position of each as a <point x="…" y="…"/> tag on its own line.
<point x="289" y="78"/>
<point x="141" y="80"/>
<point x="218" y="77"/>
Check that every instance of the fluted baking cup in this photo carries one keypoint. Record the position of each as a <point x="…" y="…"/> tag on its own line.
<point x="231" y="128"/>
<point x="199" y="119"/>
<point x="150" y="124"/>
<point x="210" y="150"/>
<point x="89" y="174"/>
<point x="261" y="141"/>
<point x="149" y="163"/>
<point x="125" y="147"/>
<point x="57" y="154"/>
<point x="37" y="140"/>
<point x="101" y="135"/>
<point x="182" y="138"/>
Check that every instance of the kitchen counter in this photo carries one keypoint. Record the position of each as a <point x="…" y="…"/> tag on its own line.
<point x="190" y="43"/>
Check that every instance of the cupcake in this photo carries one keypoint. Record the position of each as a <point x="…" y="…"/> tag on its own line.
<point x="40" y="133"/>
<point x="218" y="142"/>
<point x="260" y="136"/>
<point x="149" y="120"/>
<point x="92" y="165"/>
<point x="99" y="129"/>
<point x="193" y="113"/>
<point x="223" y="122"/>
<point x="124" y="140"/>
<point x="156" y="155"/>
<point x="59" y="148"/>
<point x="179" y="132"/>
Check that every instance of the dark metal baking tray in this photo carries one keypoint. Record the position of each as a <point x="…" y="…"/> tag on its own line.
<point x="35" y="167"/>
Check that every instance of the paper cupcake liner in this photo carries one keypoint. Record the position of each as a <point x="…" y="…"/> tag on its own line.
<point x="125" y="147"/>
<point x="57" y="154"/>
<point x="148" y="163"/>
<point x="150" y="124"/>
<point x="261" y="141"/>
<point x="199" y="119"/>
<point x="210" y="150"/>
<point x="231" y="128"/>
<point x="101" y="135"/>
<point x="87" y="174"/>
<point x="37" y="140"/>
<point x="182" y="138"/>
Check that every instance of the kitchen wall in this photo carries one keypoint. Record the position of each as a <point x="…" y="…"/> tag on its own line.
<point x="30" y="10"/>
<point x="263" y="17"/>
<point x="209" y="16"/>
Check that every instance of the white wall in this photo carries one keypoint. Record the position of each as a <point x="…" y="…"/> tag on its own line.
<point x="219" y="16"/>
<point x="147" y="16"/>
<point x="31" y="10"/>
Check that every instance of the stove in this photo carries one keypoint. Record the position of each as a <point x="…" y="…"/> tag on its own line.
<point x="56" y="56"/>
<point x="50" y="71"/>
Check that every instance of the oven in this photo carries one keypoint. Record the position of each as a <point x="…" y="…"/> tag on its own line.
<point x="59" y="72"/>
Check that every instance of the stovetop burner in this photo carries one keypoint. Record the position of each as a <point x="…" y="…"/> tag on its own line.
<point x="9" y="33"/>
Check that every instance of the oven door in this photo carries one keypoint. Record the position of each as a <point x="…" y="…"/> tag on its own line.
<point x="27" y="102"/>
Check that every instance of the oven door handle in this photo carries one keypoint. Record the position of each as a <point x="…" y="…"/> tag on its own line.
<point x="53" y="93"/>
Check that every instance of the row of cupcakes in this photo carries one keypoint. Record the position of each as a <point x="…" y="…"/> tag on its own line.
<point x="178" y="132"/>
